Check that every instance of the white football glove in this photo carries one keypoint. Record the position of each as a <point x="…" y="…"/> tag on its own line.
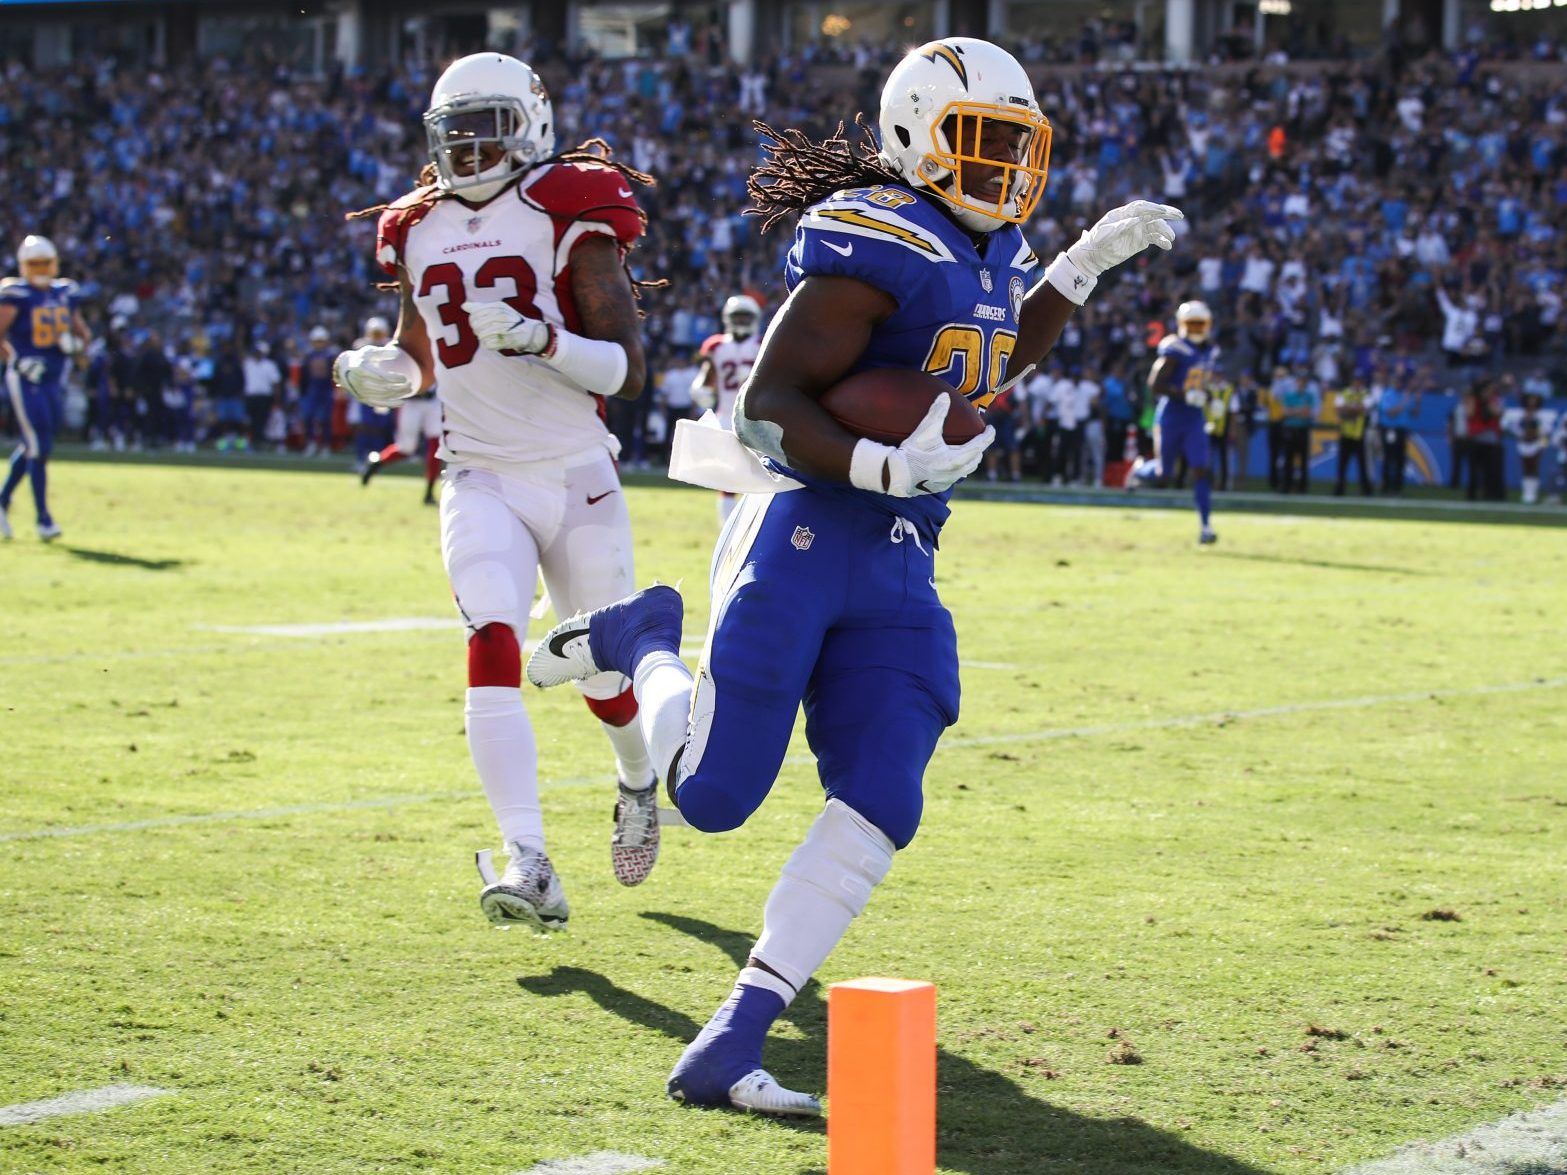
<point x="1118" y="235"/>
<point x="500" y="328"/>
<point x="926" y="464"/>
<point x="31" y="368"/>
<point x="377" y="376"/>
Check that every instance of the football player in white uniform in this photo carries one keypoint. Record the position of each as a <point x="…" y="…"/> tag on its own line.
<point x="418" y="430"/>
<point x="510" y="260"/>
<point x="726" y="361"/>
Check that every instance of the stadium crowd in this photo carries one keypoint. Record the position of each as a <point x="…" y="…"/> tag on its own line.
<point x="1396" y="223"/>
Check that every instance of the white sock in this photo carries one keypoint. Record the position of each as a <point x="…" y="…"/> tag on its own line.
<point x="1531" y="490"/>
<point x="756" y="977"/>
<point x="500" y="739"/>
<point x="726" y="506"/>
<point x="825" y="884"/>
<point x="662" y="684"/>
<point x="631" y="761"/>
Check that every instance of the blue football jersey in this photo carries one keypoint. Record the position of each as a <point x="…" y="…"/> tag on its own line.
<point x="958" y="303"/>
<point x="42" y="316"/>
<point x="1196" y="368"/>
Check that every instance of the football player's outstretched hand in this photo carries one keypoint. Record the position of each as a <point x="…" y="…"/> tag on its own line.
<point x="1123" y="233"/>
<point x="377" y="376"/>
<point x="500" y="328"/>
<point x="925" y="464"/>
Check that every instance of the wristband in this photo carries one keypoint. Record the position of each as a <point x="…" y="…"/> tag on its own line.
<point x="867" y="465"/>
<point x="596" y="365"/>
<point x="1071" y="282"/>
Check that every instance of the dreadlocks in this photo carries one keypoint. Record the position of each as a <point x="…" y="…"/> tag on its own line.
<point x="800" y="172"/>
<point x="593" y="151"/>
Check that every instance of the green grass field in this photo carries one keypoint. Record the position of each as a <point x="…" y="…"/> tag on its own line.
<point x="1280" y="821"/>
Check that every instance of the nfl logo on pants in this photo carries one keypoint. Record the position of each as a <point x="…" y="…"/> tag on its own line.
<point x="803" y="537"/>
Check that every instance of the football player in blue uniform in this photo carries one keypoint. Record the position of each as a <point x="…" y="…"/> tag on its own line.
<point x="910" y="256"/>
<point x="1183" y="377"/>
<point x="40" y="326"/>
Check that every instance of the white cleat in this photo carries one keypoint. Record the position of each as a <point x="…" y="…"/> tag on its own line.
<point x="759" y="1092"/>
<point x="563" y="655"/>
<point x="49" y="531"/>
<point x="528" y="894"/>
<point x="1207" y="536"/>
<point x="633" y="849"/>
<point x="5" y="525"/>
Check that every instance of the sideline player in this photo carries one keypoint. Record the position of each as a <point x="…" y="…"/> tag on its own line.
<point x="368" y="423"/>
<point x="1182" y="378"/>
<point x="40" y="326"/>
<point x="726" y="362"/>
<point x="315" y="394"/>
<point x="511" y="262"/>
<point x="912" y="258"/>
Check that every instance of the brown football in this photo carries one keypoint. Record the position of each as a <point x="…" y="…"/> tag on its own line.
<point x="887" y="404"/>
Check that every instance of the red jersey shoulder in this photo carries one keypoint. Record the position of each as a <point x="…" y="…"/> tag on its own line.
<point x="391" y="231"/>
<point x="711" y="344"/>
<point x="570" y="192"/>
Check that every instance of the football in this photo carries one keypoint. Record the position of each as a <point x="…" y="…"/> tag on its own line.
<point x="887" y="404"/>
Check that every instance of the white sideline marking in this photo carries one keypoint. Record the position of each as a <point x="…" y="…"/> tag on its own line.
<point x="338" y="628"/>
<point x="1533" y="1140"/>
<point x="83" y="1101"/>
<point x="598" y="1163"/>
<point x="1361" y="703"/>
<point x="800" y="759"/>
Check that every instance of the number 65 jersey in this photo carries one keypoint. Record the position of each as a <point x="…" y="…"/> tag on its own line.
<point x="43" y="314"/>
<point x="514" y="249"/>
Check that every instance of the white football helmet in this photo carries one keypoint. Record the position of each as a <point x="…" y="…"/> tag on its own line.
<point x="961" y="88"/>
<point x="741" y="313"/>
<point x="1193" y="321"/>
<point x="319" y="335"/>
<point x="487" y="100"/>
<point x="38" y="260"/>
<point x="377" y="329"/>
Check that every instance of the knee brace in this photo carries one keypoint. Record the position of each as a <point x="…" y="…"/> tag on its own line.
<point x="494" y="657"/>
<point x="826" y="884"/>
<point x="620" y="710"/>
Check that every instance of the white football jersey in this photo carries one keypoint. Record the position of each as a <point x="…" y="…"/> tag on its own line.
<point x="515" y="249"/>
<point x="732" y="360"/>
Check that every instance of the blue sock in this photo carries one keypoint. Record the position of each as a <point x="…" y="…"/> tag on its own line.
<point x="38" y="468"/>
<point x="13" y="478"/>
<point x="728" y="1048"/>
<point x="1204" y="498"/>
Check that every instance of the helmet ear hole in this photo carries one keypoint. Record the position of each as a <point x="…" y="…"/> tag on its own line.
<point x="903" y="134"/>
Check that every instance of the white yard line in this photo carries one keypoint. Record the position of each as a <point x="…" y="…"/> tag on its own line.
<point x="1533" y="1141"/>
<point x="339" y="627"/>
<point x="83" y="1101"/>
<point x="1360" y="703"/>
<point x="804" y="758"/>
<point x="598" y="1163"/>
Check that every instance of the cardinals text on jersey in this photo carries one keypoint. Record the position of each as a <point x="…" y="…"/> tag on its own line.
<point x="516" y="249"/>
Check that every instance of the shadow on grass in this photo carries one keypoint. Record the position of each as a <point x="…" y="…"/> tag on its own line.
<point x="1329" y="564"/>
<point x="115" y="559"/>
<point x="988" y="1123"/>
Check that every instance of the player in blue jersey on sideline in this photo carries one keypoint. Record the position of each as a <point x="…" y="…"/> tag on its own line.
<point x="1183" y="377"/>
<point x="907" y="256"/>
<point x="40" y="326"/>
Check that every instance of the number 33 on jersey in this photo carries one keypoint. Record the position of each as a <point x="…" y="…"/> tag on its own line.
<point x="515" y="249"/>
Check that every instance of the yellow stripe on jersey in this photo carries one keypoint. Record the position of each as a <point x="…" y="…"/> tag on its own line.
<point x="897" y="232"/>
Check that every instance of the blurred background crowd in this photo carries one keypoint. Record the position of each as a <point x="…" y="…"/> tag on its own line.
<point x="1386" y="230"/>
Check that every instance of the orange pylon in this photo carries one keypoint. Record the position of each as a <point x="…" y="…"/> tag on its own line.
<point x="881" y="1077"/>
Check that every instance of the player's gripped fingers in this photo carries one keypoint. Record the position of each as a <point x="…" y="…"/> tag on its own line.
<point x="935" y="416"/>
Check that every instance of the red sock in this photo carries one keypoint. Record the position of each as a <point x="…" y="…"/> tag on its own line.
<point x="391" y="453"/>
<point x="494" y="657"/>
<point x="432" y="463"/>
